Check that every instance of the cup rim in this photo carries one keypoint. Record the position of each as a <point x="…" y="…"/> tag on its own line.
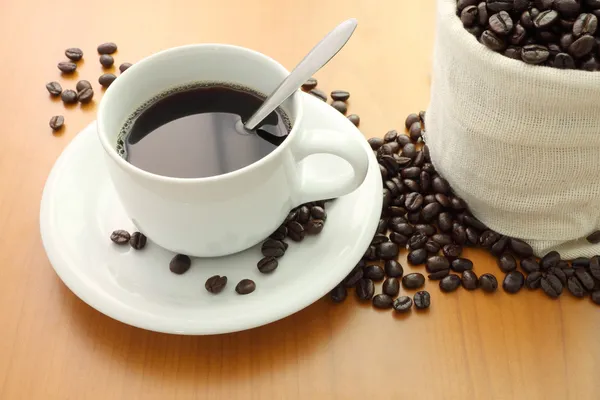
<point x="130" y="168"/>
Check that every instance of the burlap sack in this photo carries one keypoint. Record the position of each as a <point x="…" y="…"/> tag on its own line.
<point x="520" y="143"/>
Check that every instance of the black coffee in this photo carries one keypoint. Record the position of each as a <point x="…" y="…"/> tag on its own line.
<point x="194" y="131"/>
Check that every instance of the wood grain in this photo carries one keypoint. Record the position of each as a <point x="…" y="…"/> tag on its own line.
<point x="53" y="346"/>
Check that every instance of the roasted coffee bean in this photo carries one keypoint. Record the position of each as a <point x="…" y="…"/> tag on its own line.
<point x="513" y="282"/>
<point x="500" y="5"/>
<point x="414" y="280"/>
<point x="340" y="106"/>
<point x="280" y="233"/>
<point x="180" y="264"/>
<point x="469" y="16"/>
<point x="521" y="248"/>
<point x="526" y="19"/>
<point x="593" y="237"/>
<point x="567" y="8"/>
<point x="247" y="286"/>
<point x="399" y="239"/>
<point x="137" y="240"/>
<point x="340" y="95"/>
<point x="513" y="52"/>
<point x="596" y="297"/>
<point x="575" y="287"/>
<point x="384" y="172"/>
<point x="268" y="264"/>
<point x="319" y="94"/>
<point x="595" y="267"/>
<point x="379" y="238"/>
<point x="445" y="201"/>
<point x="530" y="265"/>
<point x="296" y="231"/>
<point x="273" y="248"/>
<point x="394" y="148"/>
<point x="438" y="275"/>
<point x="469" y="280"/>
<point x="310" y="83"/>
<point x="550" y="260"/>
<point x="74" y="54"/>
<point x="409" y="151"/>
<point x="500" y="23"/>
<point x="107" y="48"/>
<point x="85" y="96"/>
<point x="374" y="272"/>
<point x="422" y="300"/>
<point x="365" y="289"/>
<point x="417" y="257"/>
<point x="382" y="301"/>
<point x="303" y="214"/>
<point x="106" y="79"/>
<point x="488" y="238"/>
<point x="440" y="185"/>
<point x="124" y="67"/>
<point x="428" y="167"/>
<point x="488" y="283"/>
<point x="57" y="122"/>
<point x="545" y="19"/>
<point x="417" y="241"/>
<point x="432" y="247"/>
<point x="67" y="67"/>
<point x="355" y="119"/>
<point x="459" y="234"/>
<point x="482" y="13"/>
<point x="552" y="286"/>
<point x="387" y="251"/>
<point x="375" y="143"/>
<point x="534" y="280"/>
<point x="456" y="202"/>
<point x="450" y="283"/>
<point x="403" y="228"/>
<point x="412" y="186"/>
<point x="371" y="253"/>
<point x="581" y="262"/>
<point x="518" y="36"/>
<point x="391" y="287"/>
<point x="338" y="294"/>
<point x="461" y="265"/>
<point x="419" y="160"/>
<point x="120" y="237"/>
<point x="430" y="211"/>
<point x="355" y="275"/>
<point x="442" y="238"/>
<point x="492" y="41"/>
<point x="498" y="248"/>
<point x="425" y="229"/>
<point x="445" y="221"/>
<point x="590" y="64"/>
<point x="107" y="60"/>
<point x="414" y="201"/>
<point x="559" y="274"/>
<point x="475" y="223"/>
<point x="585" y="278"/>
<point x="508" y="263"/>
<point x="69" y="96"/>
<point x="437" y="263"/>
<point x="402" y="304"/>
<point x="411" y="172"/>
<point x="415" y="131"/>
<point x="292" y="216"/>
<point x="462" y="4"/>
<point x="582" y="46"/>
<point x="452" y="250"/>
<point x="393" y="269"/>
<point x="411" y="119"/>
<point x="390" y="164"/>
<point x="381" y="226"/>
<point x="390" y="136"/>
<point x="54" y="88"/>
<point x="585" y="24"/>
<point x="83" y="84"/>
<point x="215" y="284"/>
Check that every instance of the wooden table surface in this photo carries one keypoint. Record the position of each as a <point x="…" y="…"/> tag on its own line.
<point x="53" y="346"/>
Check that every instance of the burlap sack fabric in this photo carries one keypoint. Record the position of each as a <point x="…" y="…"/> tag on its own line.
<point x="520" y="143"/>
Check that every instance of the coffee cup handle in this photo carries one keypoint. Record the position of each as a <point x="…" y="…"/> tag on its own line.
<point x="326" y="186"/>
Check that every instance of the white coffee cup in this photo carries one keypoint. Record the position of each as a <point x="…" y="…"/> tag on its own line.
<point x="227" y="213"/>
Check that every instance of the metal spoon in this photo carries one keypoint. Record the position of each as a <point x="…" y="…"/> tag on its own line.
<point x="320" y="55"/>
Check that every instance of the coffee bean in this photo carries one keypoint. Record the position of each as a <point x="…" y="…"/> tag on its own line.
<point x="74" y="54"/>
<point x="387" y="251"/>
<point x="461" y="265"/>
<point x="355" y="119"/>
<point x="340" y="95"/>
<point x="371" y="253"/>
<point x="585" y="278"/>
<point x="552" y="286"/>
<point x="581" y="262"/>
<point x="318" y="93"/>
<point x="417" y="257"/>
<point x="593" y="237"/>
<point x="246" y="286"/>
<point x="422" y="300"/>
<point x="180" y="264"/>
<point x="596" y="296"/>
<point x="412" y="186"/>
<point x="534" y="280"/>
<point x="452" y="250"/>
<point x="391" y="287"/>
<point x="414" y="201"/>
<point x="403" y="140"/>
<point x="106" y="79"/>
<point x="69" y="96"/>
<point x="567" y="8"/>
<point x="120" y="237"/>
<point x="267" y="264"/>
<point x="440" y="185"/>
<point x="585" y="24"/>
<point x="415" y="132"/>
<point x="382" y="301"/>
<point x="399" y="239"/>
<point x="124" y="67"/>
<point x="296" y="231"/>
<point x="513" y="282"/>
<point x="500" y="5"/>
<point x="365" y="289"/>
<point x="582" y="46"/>
<point x="85" y="96"/>
<point x="137" y="240"/>
<point x="450" y="283"/>
<point x="393" y="269"/>
<point x="107" y="48"/>
<point x="468" y="16"/>
<point x="469" y="280"/>
<point x="382" y="226"/>
<point x="595" y="267"/>
<point x="83" y="84"/>
<point x="430" y="211"/>
<point x="379" y="238"/>
<point x="575" y="287"/>
<point x="414" y="280"/>
<point x="482" y="13"/>
<point x="492" y="41"/>
<point x="442" y="238"/>
<point x="488" y="238"/>
<point x="340" y="106"/>
<point x="425" y="229"/>
<point x="459" y="234"/>
<point x="272" y="248"/>
<point x="521" y="248"/>
<point x="417" y="241"/>
<point x="437" y="263"/>
<point x="403" y="228"/>
<point x="67" y="67"/>
<point x="402" y="304"/>
<point x="462" y="4"/>
<point x="438" y="275"/>
<point x="374" y="272"/>
<point x="57" y="122"/>
<point x="411" y="172"/>
<point x="280" y="233"/>
<point x="375" y="142"/>
<point x="338" y="294"/>
<point x="215" y="284"/>
<point x="106" y="60"/>
<point x="409" y="150"/>
<point x="498" y="248"/>
<point x="54" y="88"/>
<point x="550" y="260"/>
<point x="530" y="265"/>
<point x="432" y="247"/>
<point x="488" y="283"/>
<point x="517" y="37"/>
<point x="590" y="64"/>
<point x="559" y="274"/>
<point x="303" y="215"/>
<point x="500" y="23"/>
<point x="545" y="19"/>
<point x="445" y="221"/>
<point x="508" y="263"/>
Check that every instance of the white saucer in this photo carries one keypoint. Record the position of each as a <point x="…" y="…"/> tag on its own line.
<point x="80" y="209"/>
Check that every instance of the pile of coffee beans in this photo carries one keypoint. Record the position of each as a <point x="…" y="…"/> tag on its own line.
<point x="423" y="215"/>
<point x="556" y="33"/>
<point x="84" y="91"/>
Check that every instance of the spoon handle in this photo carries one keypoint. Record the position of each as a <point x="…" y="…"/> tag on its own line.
<point x="324" y="51"/>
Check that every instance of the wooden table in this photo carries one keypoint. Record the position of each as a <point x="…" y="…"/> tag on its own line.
<point x="53" y="346"/>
